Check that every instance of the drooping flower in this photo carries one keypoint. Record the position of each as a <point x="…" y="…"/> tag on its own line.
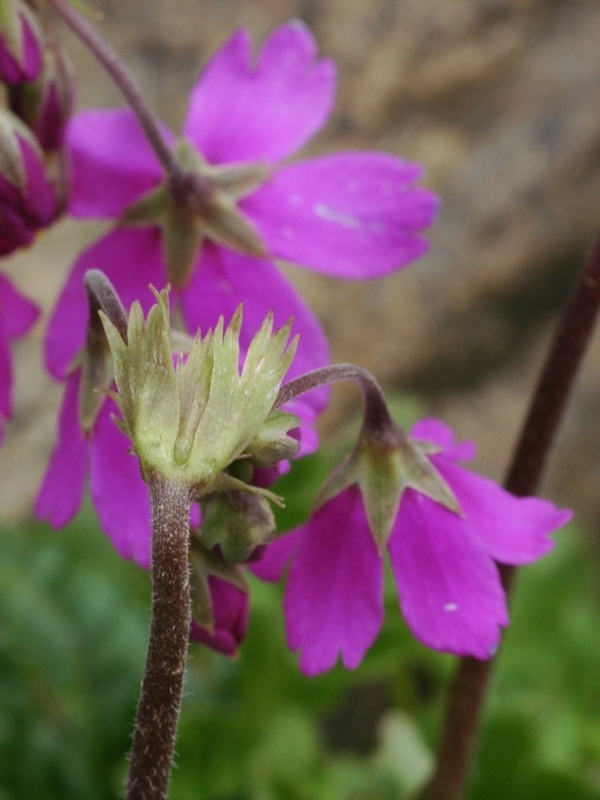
<point x="353" y="215"/>
<point x="444" y="564"/>
<point x="27" y="199"/>
<point x="17" y="315"/>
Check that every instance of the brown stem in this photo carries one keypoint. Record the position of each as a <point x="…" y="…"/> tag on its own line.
<point x="377" y="415"/>
<point x="160" y="698"/>
<point x="465" y="704"/>
<point x="124" y="80"/>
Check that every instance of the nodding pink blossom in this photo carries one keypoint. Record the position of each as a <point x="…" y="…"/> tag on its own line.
<point x="17" y="315"/>
<point x="444" y="564"/>
<point x="352" y="215"/>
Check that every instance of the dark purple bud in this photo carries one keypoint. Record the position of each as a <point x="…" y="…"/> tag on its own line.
<point x="27" y="199"/>
<point x="230" y="613"/>
<point x="46" y="103"/>
<point x="21" y="42"/>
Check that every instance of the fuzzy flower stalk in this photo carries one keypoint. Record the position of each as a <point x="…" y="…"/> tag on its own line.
<point x="189" y="418"/>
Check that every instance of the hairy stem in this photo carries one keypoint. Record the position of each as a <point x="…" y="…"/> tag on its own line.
<point x="124" y="79"/>
<point x="549" y="401"/>
<point x="160" y="698"/>
<point x="377" y="415"/>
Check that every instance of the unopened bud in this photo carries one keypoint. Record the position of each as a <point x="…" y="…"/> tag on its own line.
<point x="238" y="522"/>
<point x="21" y="42"/>
<point x="27" y="199"/>
<point x="46" y="103"/>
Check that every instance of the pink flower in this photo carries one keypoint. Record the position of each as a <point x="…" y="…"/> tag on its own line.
<point x="443" y="563"/>
<point x="17" y="315"/>
<point x="118" y="492"/>
<point x="353" y="215"/>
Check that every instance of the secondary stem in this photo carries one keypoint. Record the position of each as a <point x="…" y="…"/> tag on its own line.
<point x="160" y="698"/>
<point x="377" y="414"/>
<point x="124" y="79"/>
<point x="547" y="407"/>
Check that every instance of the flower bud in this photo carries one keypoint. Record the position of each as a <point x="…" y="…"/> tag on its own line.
<point x="21" y="42"/>
<point x="220" y="606"/>
<point x="46" y="103"/>
<point x="27" y="200"/>
<point x="238" y="522"/>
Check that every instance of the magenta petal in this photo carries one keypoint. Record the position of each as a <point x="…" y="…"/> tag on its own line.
<point x="352" y="215"/>
<point x="60" y="495"/>
<point x="112" y="164"/>
<point x="438" y="433"/>
<point x="131" y="258"/>
<point x="449" y="587"/>
<point x="17" y="312"/>
<point x="241" y="112"/>
<point x="118" y="491"/>
<point x="334" y="596"/>
<point x="231" y="610"/>
<point x="224" y="279"/>
<point x="277" y="556"/>
<point x="515" y="530"/>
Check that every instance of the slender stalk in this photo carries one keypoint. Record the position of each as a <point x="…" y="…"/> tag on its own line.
<point x="377" y="415"/>
<point x="459" y="736"/>
<point x="160" y="698"/>
<point x="124" y="79"/>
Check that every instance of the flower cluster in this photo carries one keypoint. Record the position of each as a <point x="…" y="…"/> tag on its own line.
<point x="213" y="228"/>
<point x="354" y="215"/>
<point x="39" y="94"/>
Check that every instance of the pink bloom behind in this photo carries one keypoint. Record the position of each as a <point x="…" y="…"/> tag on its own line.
<point x="443" y="563"/>
<point x="353" y="215"/>
<point x="17" y="315"/>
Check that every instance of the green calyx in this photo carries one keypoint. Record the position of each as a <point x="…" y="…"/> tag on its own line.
<point x="189" y="420"/>
<point x="238" y="522"/>
<point x="384" y="467"/>
<point x="199" y="204"/>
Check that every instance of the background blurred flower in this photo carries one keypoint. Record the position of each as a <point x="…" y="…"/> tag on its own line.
<point x="353" y="215"/>
<point x="17" y="315"/>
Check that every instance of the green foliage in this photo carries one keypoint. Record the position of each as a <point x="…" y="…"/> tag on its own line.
<point x="73" y="631"/>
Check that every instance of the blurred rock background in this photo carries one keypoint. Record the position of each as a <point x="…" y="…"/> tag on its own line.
<point x="500" y="100"/>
